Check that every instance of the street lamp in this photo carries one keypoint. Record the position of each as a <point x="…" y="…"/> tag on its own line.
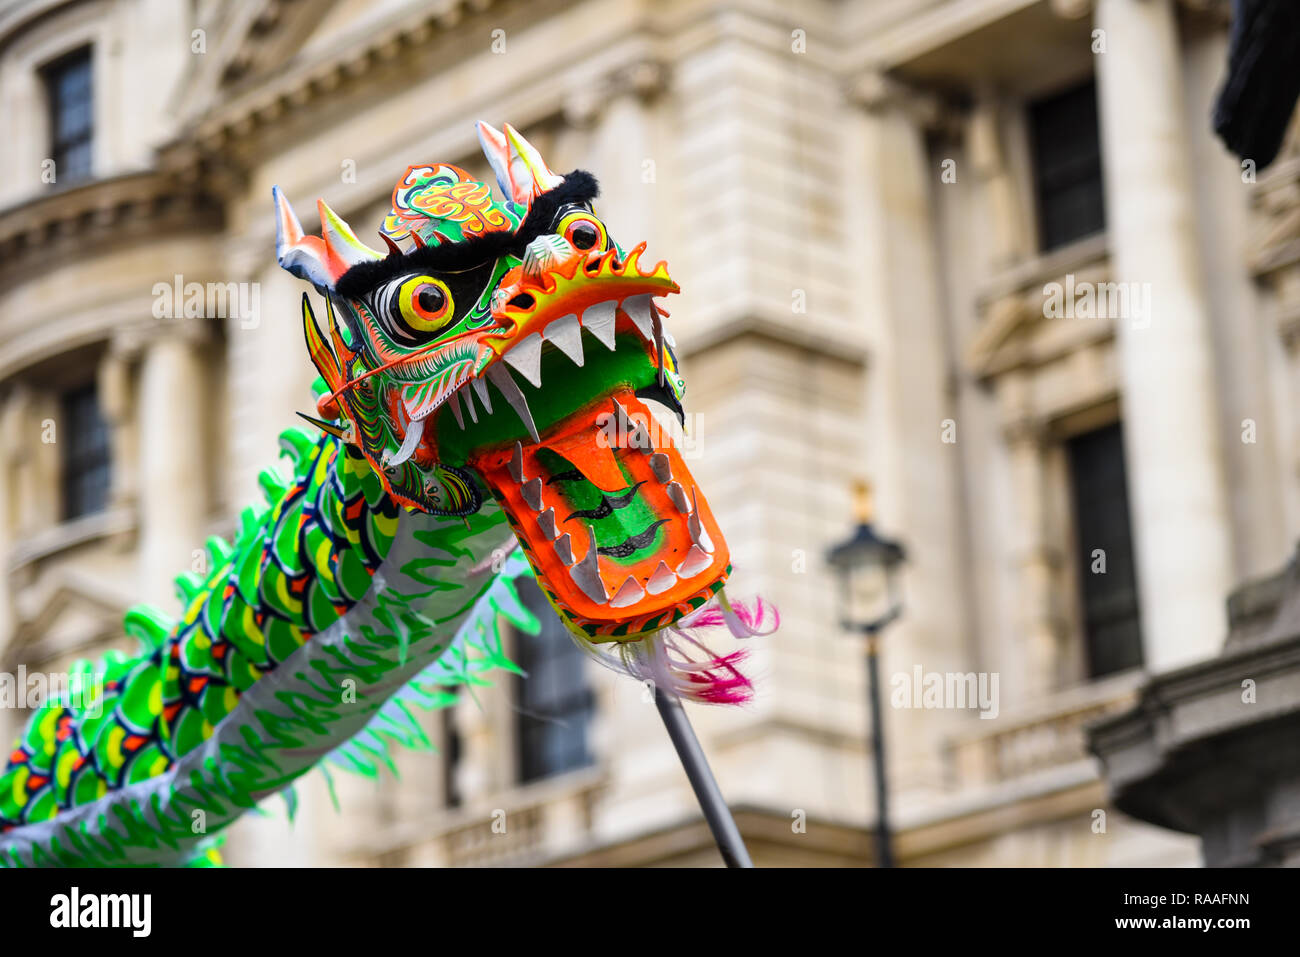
<point x="867" y="567"/>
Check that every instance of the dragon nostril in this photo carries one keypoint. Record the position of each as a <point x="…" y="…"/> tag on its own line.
<point x="521" y="301"/>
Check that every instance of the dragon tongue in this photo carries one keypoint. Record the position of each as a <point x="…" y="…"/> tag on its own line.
<point x="595" y="460"/>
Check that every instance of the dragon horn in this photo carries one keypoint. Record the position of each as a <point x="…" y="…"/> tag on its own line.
<point x="521" y="172"/>
<point x="342" y="246"/>
<point x="304" y="256"/>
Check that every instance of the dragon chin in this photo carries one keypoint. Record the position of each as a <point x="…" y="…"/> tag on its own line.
<point x="580" y="453"/>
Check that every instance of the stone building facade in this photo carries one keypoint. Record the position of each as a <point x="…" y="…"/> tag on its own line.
<point x="984" y="252"/>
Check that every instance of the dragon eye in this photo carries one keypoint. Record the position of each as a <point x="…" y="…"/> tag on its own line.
<point x="583" y="231"/>
<point x="422" y="305"/>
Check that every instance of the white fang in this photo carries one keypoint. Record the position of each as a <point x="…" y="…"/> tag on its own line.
<point x="585" y="574"/>
<point x="696" y="561"/>
<point x="566" y="335"/>
<point x="629" y="593"/>
<point x="532" y="493"/>
<point x="641" y="311"/>
<point x="662" y="580"/>
<point x="599" y="321"/>
<point x="564" y="548"/>
<point x="507" y="386"/>
<point x="526" y="356"/>
<point x="481" y="387"/>
<point x="455" y="410"/>
<point x="414" y="432"/>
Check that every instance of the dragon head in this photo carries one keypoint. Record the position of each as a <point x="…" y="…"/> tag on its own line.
<point x="514" y="348"/>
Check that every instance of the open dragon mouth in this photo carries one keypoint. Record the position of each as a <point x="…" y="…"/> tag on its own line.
<point x="578" y="446"/>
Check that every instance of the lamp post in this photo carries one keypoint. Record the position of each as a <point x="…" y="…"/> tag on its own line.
<point x="867" y="567"/>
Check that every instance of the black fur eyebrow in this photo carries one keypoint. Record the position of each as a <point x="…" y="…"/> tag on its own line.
<point x="578" y="187"/>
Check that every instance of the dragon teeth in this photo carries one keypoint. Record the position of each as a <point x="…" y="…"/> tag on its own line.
<point x="641" y="311"/>
<point x="526" y="356"/>
<point x="599" y="321"/>
<point x="695" y="562"/>
<point x="414" y="432"/>
<point x="586" y="575"/>
<point x="532" y="493"/>
<point x="547" y="522"/>
<point x="678" y="496"/>
<point x="661" y="468"/>
<point x="507" y="386"/>
<point x="517" y="463"/>
<point x="481" y="387"/>
<point x="468" y="399"/>
<point x="698" y="535"/>
<point x="566" y="335"/>
<point x="662" y="580"/>
<point x="636" y="435"/>
<point x="564" y="548"/>
<point x="629" y="593"/>
<point x="455" y="410"/>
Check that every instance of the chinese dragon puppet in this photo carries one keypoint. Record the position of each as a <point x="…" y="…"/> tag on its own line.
<point x="496" y="399"/>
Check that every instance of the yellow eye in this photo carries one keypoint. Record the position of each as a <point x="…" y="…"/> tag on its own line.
<point x="583" y="231"/>
<point x="422" y="305"/>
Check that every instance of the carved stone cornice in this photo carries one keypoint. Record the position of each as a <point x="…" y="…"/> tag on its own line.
<point x="250" y="100"/>
<point x="877" y="91"/>
<point x="76" y="221"/>
<point x="643" y="79"/>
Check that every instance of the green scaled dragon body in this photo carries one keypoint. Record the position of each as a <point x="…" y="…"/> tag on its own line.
<point x="328" y="603"/>
<point x="497" y="400"/>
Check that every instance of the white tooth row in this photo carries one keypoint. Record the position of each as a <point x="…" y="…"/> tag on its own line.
<point x="565" y="334"/>
<point x="479" y="386"/>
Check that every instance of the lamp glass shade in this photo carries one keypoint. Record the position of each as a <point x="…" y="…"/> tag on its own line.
<point x="869" y="594"/>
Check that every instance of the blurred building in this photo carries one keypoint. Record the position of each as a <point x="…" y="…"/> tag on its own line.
<point x="985" y="252"/>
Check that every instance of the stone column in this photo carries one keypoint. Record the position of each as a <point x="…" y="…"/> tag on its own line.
<point x="1038" y="652"/>
<point x="1000" y="192"/>
<point x="1180" y="516"/>
<point x="172" y="477"/>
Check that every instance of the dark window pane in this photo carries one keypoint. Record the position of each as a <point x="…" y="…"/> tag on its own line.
<point x="71" y="95"/>
<point x="555" y="703"/>
<point x="1067" y="166"/>
<point x="452" y="751"/>
<point x="1111" y="619"/>
<point x="83" y="437"/>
